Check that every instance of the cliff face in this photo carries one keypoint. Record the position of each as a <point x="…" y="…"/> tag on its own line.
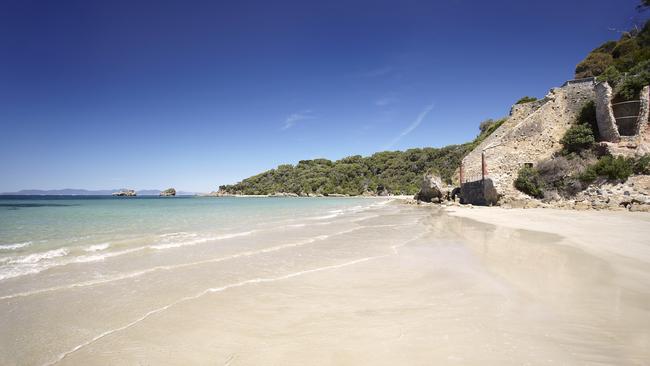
<point x="532" y="133"/>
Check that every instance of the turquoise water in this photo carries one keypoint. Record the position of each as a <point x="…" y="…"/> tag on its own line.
<point x="38" y="233"/>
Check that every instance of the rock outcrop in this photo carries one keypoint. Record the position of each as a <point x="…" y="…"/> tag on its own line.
<point x="125" y="193"/>
<point x="169" y="192"/>
<point x="432" y="189"/>
<point x="631" y="195"/>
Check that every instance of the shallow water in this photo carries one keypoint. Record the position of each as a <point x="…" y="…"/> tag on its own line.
<point x="288" y="281"/>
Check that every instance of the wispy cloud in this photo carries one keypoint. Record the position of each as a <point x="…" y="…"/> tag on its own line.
<point x="373" y="73"/>
<point x="412" y="126"/>
<point x="382" y="102"/>
<point x="294" y="118"/>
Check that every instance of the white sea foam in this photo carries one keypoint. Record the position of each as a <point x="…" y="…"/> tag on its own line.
<point x="15" y="246"/>
<point x="7" y="272"/>
<point x="177" y="234"/>
<point x="37" y="257"/>
<point x="97" y="247"/>
<point x="38" y="262"/>
<point x="176" y="243"/>
<point x="102" y="256"/>
<point x="176" y="266"/>
<point x="324" y="217"/>
<point x="29" y="264"/>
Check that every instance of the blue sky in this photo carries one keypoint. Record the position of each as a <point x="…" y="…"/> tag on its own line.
<point x="193" y="94"/>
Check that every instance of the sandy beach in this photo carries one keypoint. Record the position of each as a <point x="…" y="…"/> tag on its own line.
<point x="393" y="284"/>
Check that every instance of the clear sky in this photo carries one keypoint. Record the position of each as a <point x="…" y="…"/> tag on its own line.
<point x="193" y="94"/>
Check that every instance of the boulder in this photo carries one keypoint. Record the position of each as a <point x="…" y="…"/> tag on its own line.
<point x="169" y="192"/>
<point x="431" y="189"/>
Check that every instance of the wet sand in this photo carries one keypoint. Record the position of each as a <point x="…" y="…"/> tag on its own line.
<point x="395" y="285"/>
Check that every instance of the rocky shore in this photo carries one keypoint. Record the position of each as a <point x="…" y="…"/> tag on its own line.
<point x="631" y="195"/>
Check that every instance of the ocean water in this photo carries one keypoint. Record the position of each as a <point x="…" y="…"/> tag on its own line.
<point x="38" y="233"/>
<point x="76" y="272"/>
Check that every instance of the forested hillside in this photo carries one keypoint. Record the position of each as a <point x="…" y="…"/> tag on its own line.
<point x="395" y="172"/>
<point x="625" y="63"/>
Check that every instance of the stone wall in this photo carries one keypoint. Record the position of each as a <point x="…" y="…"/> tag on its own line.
<point x="605" y="115"/>
<point x="634" y="136"/>
<point x="479" y="193"/>
<point x="644" y="123"/>
<point x="644" y="109"/>
<point x="531" y="133"/>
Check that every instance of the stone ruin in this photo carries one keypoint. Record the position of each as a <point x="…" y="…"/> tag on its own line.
<point x="533" y="130"/>
<point x="623" y="125"/>
<point x="531" y="133"/>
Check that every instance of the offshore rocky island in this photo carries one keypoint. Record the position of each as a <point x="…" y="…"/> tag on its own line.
<point x="586" y="144"/>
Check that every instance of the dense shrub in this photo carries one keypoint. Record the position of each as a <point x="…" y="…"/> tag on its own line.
<point x="526" y="99"/>
<point x="606" y="47"/>
<point x="529" y="182"/>
<point x="595" y="64"/>
<point x="554" y="170"/>
<point x="630" y="86"/>
<point x="611" y="75"/>
<point x="560" y="174"/>
<point x="587" y="116"/>
<point x="618" y="168"/>
<point x="642" y="165"/>
<point x="577" y="138"/>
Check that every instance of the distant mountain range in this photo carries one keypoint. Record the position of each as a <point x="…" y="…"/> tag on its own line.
<point x="85" y="192"/>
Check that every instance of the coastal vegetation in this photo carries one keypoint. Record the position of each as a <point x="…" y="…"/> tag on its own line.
<point x="612" y="168"/>
<point x="526" y="99"/>
<point x="386" y="172"/>
<point x="578" y="138"/>
<point x="529" y="181"/>
<point x="625" y="63"/>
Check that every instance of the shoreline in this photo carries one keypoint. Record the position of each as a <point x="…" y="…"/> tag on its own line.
<point x="398" y="197"/>
<point x="392" y="283"/>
